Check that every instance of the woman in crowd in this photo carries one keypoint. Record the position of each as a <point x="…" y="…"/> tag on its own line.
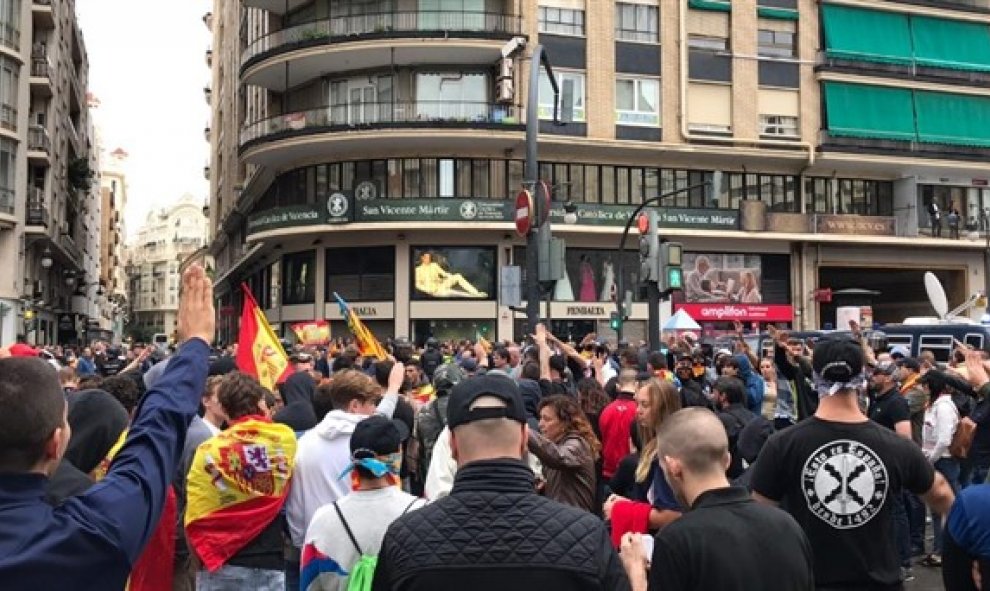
<point x="568" y="448"/>
<point x="941" y="420"/>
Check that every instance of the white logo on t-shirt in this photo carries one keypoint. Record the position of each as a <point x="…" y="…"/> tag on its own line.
<point x="845" y="483"/>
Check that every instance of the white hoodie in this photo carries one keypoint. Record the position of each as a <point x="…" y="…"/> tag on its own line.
<point x="322" y="454"/>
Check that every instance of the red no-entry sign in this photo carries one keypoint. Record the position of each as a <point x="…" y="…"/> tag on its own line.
<point x="524" y="213"/>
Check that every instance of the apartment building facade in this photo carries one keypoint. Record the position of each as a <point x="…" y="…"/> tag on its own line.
<point x="49" y="205"/>
<point x="153" y="259"/>
<point x="374" y="149"/>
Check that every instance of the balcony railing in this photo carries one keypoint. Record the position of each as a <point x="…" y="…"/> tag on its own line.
<point x="387" y="24"/>
<point x="37" y="213"/>
<point x="40" y="67"/>
<point x="6" y="201"/>
<point x="465" y="114"/>
<point x="38" y="139"/>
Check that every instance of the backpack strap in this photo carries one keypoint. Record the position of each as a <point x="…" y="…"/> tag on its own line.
<point x="408" y="507"/>
<point x="347" y="528"/>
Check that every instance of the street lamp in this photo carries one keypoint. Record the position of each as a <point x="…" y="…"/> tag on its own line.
<point x="70" y="280"/>
<point x="653" y="306"/>
<point x="540" y="235"/>
<point x="46" y="259"/>
<point x="570" y="213"/>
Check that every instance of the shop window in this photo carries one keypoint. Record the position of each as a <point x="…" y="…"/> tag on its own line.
<point x="361" y="274"/>
<point x="453" y="272"/>
<point x="590" y="274"/>
<point x="299" y="278"/>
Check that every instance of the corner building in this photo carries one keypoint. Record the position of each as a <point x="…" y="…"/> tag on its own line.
<point x="374" y="149"/>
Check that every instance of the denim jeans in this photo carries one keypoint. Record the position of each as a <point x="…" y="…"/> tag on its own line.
<point x="236" y="578"/>
<point x="292" y="575"/>
<point x="916" y="522"/>
<point x="902" y="534"/>
<point x="978" y="474"/>
<point x="949" y="468"/>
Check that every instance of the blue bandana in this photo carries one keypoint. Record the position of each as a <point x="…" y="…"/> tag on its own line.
<point x="379" y="466"/>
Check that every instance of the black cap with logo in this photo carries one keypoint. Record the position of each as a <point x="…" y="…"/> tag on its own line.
<point x="464" y="394"/>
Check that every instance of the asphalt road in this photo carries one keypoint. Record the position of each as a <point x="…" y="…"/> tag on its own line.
<point x="926" y="579"/>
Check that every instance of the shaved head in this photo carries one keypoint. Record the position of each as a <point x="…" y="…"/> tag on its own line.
<point x="696" y="438"/>
<point x="490" y="438"/>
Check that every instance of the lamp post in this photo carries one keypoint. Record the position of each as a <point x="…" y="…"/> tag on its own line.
<point x="538" y="237"/>
<point x="653" y="303"/>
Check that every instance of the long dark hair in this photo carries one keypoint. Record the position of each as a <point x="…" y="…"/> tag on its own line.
<point x="574" y="420"/>
<point x="591" y="396"/>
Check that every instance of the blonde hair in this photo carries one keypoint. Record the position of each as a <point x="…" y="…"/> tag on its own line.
<point x="664" y="401"/>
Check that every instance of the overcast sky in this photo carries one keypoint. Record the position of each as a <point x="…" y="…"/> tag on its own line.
<point x="147" y="66"/>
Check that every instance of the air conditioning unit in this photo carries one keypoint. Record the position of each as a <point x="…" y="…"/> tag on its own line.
<point x="505" y="91"/>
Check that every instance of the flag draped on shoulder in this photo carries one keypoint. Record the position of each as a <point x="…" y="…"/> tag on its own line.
<point x="259" y="353"/>
<point x="237" y="484"/>
<point x="366" y="342"/>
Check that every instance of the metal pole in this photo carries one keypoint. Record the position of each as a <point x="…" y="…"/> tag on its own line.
<point x="538" y="59"/>
<point x="620" y="280"/>
<point x="653" y="316"/>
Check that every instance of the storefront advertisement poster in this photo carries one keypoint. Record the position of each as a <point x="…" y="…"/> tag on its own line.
<point x="729" y="278"/>
<point x="716" y="312"/>
<point x="453" y="273"/>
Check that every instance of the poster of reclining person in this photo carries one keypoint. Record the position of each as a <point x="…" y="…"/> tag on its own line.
<point x="453" y="272"/>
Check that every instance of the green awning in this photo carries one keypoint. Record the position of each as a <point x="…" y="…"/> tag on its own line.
<point x="876" y="112"/>
<point x="717" y="5"/>
<point x="958" y="45"/>
<point x="959" y="119"/>
<point x="784" y="14"/>
<point x="871" y="35"/>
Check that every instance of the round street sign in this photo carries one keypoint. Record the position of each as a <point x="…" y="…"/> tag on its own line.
<point x="545" y="212"/>
<point x="524" y="213"/>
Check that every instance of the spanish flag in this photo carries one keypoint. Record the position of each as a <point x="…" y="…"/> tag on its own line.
<point x="236" y="486"/>
<point x="259" y="354"/>
<point x="367" y="344"/>
<point x="154" y="568"/>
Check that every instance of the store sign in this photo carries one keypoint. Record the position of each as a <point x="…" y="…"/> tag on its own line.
<point x="582" y="311"/>
<point x="741" y="312"/>
<point x="341" y="208"/>
<point x="434" y="210"/>
<point x="856" y="224"/>
<point x="365" y="310"/>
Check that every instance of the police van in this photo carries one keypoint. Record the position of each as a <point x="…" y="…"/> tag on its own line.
<point x="938" y="336"/>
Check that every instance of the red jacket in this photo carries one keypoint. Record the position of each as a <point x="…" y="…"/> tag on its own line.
<point x="615" y="422"/>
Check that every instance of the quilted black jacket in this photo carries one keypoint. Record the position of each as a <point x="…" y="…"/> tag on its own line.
<point x="494" y="533"/>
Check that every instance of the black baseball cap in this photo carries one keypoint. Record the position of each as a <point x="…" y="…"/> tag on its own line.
<point x="464" y="394"/>
<point x="838" y="358"/>
<point x="379" y="435"/>
<point x="910" y="363"/>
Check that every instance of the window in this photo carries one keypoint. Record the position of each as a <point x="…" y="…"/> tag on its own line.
<point x="299" y="278"/>
<point x="637" y="102"/>
<point x="709" y="43"/>
<point x="452" y="95"/>
<point x="776" y="43"/>
<point x="637" y="22"/>
<point x="710" y="108"/>
<point x="361" y="274"/>
<point x="9" y="79"/>
<point x="571" y="86"/>
<point x="850" y="196"/>
<point x="779" y="125"/>
<point x="10" y="21"/>
<point x="360" y="100"/>
<point x="8" y="160"/>
<point x="561" y="21"/>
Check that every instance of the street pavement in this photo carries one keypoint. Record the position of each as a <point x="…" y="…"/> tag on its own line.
<point x="925" y="579"/>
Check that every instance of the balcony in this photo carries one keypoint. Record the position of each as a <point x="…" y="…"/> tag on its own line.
<point x="209" y="58"/>
<point x="7" y="201"/>
<point x="206" y="133"/>
<point x="275" y="6"/>
<point x="335" y="122"/>
<point x="68" y="244"/>
<point x="36" y="213"/>
<point x="304" y="52"/>
<point x="41" y="80"/>
<point x="892" y="147"/>
<point x="208" y="95"/>
<point x="206" y="172"/>
<point x="42" y="14"/>
<point x="39" y="144"/>
<point x="208" y="20"/>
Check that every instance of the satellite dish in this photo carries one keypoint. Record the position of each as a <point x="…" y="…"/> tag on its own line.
<point x="936" y="295"/>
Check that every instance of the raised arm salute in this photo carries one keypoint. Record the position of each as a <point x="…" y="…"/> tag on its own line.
<point x="91" y="541"/>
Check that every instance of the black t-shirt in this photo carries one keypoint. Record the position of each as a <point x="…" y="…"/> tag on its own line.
<point x="889" y="409"/>
<point x="731" y="543"/>
<point x="838" y="481"/>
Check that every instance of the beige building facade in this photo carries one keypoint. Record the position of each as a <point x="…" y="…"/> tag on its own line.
<point x="374" y="149"/>
<point x="49" y="196"/>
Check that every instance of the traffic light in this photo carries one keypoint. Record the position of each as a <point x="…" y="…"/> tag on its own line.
<point x="649" y="246"/>
<point x="614" y="321"/>
<point x="671" y="276"/>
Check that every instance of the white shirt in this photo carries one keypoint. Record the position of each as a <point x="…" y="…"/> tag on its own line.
<point x="941" y="420"/>
<point x="443" y="468"/>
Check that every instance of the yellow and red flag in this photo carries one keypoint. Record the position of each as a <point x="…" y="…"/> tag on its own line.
<point x="367" y="344"/>
<point x="237" y="484"/>
<point x="259" y="353"/>
<point x="316" y="332"/>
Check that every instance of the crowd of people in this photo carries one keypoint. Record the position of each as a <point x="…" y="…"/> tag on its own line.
<point x="479" y="465"/>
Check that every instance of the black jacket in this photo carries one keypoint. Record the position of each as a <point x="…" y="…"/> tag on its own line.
<point x="298" y="412"/>
<point x="800" y="374"/>
<point x="493" y="532"/>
